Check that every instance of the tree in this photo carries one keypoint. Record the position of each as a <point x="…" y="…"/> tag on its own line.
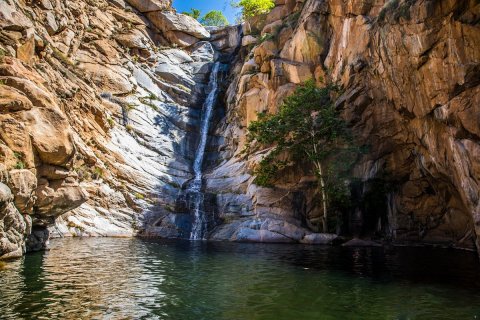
<point x="252" y="8"/>
<point x="214" y="18"/>
<point x="307" y="128"/>
<point x="194" y="13"/>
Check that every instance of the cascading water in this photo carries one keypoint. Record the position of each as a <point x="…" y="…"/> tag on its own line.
<point x="199" y="223"/>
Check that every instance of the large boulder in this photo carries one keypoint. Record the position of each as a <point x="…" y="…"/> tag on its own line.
<point x="171" y="21"/>
<point x="150" y="5"/>
<point x="23" y="184"/>
<point x="51" y="135"/>
<point x="57" y="197"/>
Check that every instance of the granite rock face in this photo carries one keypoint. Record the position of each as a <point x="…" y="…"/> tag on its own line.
<point x="410" y="74"/>
<point x="100" y="103"/>
<point x="99" y="113"/>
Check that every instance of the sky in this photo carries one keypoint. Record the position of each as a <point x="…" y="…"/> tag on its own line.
<point x="207" y="5"/>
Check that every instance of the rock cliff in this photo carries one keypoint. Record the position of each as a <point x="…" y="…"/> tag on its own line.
<point x="410" y="75"/>
<point x="100" y="103"/>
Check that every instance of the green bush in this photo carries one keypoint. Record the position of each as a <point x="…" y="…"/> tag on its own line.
<point x="251" y="8"/>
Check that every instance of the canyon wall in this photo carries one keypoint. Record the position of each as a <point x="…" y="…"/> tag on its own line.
<point x="410" y="75"/>
<point x="100" y="104"/>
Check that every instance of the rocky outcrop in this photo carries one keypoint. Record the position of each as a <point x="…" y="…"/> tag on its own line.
<point x="100" y="103"/>
<point x="99" y="115"/>
<point x="409" y="71"/>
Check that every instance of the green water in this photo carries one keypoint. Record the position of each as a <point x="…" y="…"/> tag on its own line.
<point x="142" y="279"/>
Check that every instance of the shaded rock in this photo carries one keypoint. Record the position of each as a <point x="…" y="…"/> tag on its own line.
<point x="319" y="238"/>
<point x="55" y="198"/>
<point x="361" y="243"/>
<point x="251" y="235"/>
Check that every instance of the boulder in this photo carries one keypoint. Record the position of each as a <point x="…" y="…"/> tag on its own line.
<point x="174" y="74"/>
<point x="12" y="18"/>
<point x="181" y="39"/>
<point x="248" y="40"/>
<point x="23" y="184"/>
<point x="57" y="197"/>
<point x="51" y="135"/>
<point x="251" y="235"/>
<point x="319" y="238"/>
<point x="12" y="100"/>
<point x="171" y="21"/>
<point x="150" y="5"/>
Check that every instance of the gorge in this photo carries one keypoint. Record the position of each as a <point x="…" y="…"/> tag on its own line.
<point x="102" y="131"/>
<point x="125" y="140"/>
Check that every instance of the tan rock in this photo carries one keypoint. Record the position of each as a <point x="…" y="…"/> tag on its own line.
<point x="12" y="100"/>
<point x="51" y="135"/>
<point x="108" y="79"/>
<point x="23" y="184"/>
<point x="150" y="5"/>
<point x="54" y="199"/>
<point x="26" y="52"/>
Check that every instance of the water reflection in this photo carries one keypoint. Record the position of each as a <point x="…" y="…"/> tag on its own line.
<point x="136" y="279"/>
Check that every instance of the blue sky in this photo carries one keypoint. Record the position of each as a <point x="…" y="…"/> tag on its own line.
<point x="206" y="5"/>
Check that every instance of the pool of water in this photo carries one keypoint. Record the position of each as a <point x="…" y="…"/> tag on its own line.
<point x="106" y="278"/>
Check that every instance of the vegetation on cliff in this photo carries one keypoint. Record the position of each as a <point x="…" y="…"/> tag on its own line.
<point x="252" y="8"/>
<point x="307" y="130"/>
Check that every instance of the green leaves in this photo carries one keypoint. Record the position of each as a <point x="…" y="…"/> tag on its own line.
<point x="308" y="128"/>
<point x="251" y="8"/>
<point x="214" y="18"/>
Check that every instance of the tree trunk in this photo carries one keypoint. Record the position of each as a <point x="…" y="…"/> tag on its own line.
<point x="324" y="196"/>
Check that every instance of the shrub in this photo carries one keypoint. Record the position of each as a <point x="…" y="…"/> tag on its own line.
<point x="139" y="196"/>
<point x="251" y="8"/>
<point x="194" y="13"/>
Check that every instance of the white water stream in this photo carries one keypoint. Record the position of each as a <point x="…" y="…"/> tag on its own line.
<point x="200" y="223"/>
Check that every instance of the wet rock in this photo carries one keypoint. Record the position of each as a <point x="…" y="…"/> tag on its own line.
<point x="319" y="238"/>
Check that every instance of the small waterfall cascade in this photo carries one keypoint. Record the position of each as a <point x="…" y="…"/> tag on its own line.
<point x="200" y="222"/>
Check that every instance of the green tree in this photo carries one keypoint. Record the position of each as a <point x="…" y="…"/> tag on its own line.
<point x="307" y="128"/>
<point x="252" y="8"/>
<point x="214" y="18"/>
<point x="194" y="13"/>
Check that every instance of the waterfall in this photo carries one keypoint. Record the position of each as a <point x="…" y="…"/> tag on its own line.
<point x="200" y="223"/>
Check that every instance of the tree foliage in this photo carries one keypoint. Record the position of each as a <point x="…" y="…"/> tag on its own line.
<point x="214" y="18"/>
<point x="252" y="8"/>
<point x="306" y="129"/>
<point x="194" y="13"/>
